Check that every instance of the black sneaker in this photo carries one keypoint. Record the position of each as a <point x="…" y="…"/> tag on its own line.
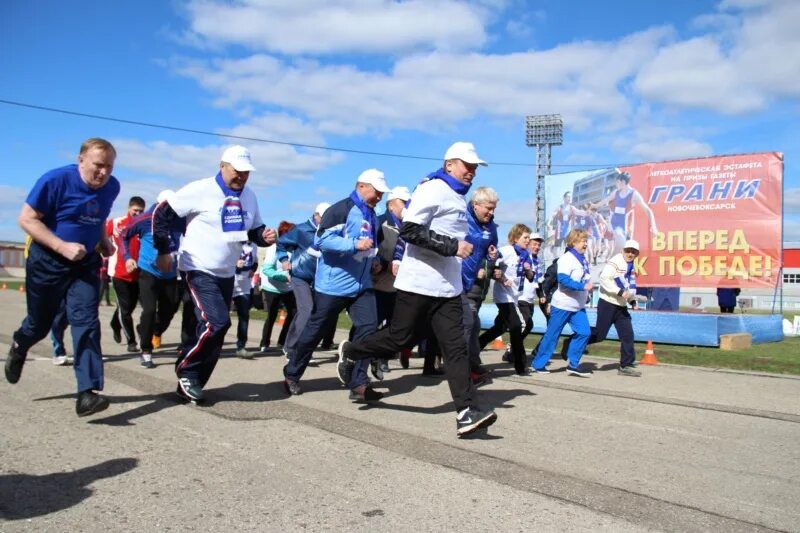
<point x="117" y="334"/>
<point x="344" y="368"/>
<point x="384" y="366"/>
<point x="364" y="394"/>
<point x="89" y="403"/>
<point x="190" y="390"/>
<point x="146" y="360"/>
<point x="572" y="371"/>
<point x="292" y="387"/>
<point x="376" y="369"/>
<point x="507" y="358"/>
<point x="14" y="363"/>
<point x="133" y="347"/>
<point x="480" y="370"/>
<point x="473" y="418"/>
<point x="433" y="372"/>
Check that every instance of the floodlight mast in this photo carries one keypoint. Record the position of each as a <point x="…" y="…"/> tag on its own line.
<point x="542" y="131"/>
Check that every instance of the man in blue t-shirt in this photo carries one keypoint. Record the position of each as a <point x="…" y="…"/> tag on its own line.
<point x="65" y="214"/>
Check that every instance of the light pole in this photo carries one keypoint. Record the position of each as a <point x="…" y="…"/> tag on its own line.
<point x="542" y="131"/>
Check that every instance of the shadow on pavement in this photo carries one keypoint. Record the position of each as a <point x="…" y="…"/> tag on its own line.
<point x="495" y="398"/>
<point x="157" y="403"/>
<point x="24" y="496"/>
<point x="248" y="392"/>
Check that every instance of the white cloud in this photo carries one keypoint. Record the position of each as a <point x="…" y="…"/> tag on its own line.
<point x="666" y="149"/>
<point x="752" y="58"/>
<point x="510" y="211"/>
<point x="177" y="164"/>
<point x="791" y="201"/>
<point x="435" y="91"/>
<point x="791" y="230"/>
<point x="333" y="26"/>
<point x="11" y="200"/>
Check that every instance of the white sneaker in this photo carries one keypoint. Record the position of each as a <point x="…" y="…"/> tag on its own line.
<point x="243" y="353"/>
<point x="60" y="360"/>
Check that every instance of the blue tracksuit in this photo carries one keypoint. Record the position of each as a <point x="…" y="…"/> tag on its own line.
<point x="299" y="241"/>
<point x="343" y="281"/>
<point x="481" y="236"/>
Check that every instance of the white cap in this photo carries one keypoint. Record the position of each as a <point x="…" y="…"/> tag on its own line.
<point x="465" y="152"/>
<point x="400" y="193"/>
<point x="166" y="194"/>
<point x="374" y="177"/>
<point x="537" y="237"/>
<point x="239" y="158"/>
<point x="321" y="208"/>
<point x="630" y="243"/>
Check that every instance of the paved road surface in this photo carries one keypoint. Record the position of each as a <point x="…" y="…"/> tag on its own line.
<point x="680" y="449"/>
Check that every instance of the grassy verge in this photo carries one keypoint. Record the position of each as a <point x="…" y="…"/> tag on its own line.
<point x="778" y="357"/>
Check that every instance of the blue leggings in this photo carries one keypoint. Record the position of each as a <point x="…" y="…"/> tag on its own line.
<point x="558" y="319"/>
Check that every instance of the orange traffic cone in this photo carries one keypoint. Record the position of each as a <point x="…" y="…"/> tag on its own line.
<point x="497" y="344"/>
<point x="22" y="288"/>
<point x="649" y="355"/>
<point x="281" y="317"/>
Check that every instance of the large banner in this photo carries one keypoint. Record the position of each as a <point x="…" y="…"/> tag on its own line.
<point x="712" y="222"/>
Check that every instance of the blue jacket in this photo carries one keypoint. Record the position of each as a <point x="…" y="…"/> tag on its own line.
<point x="342" y="270"/>
<point x="299" y="241"/>
<point x="142" y="226"/>
<point x="480" y="236"/>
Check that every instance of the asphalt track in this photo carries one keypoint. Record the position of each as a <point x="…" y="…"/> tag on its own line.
<point x="679" y="449"/>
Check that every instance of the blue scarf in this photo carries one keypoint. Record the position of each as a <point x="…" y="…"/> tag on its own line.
<point x="232" y="213"/>
<point x="369" y="224"/>
<point x="579" y="256"/>
<point x="396" y="221"/>
<point x="630" y="276"/>
<point x="524" y="257"/>
<point x="459" y="187"/>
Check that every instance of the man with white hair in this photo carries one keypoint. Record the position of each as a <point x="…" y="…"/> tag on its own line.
<point x="298" y="255"/>
<point x="221" y="213"/>
<point x="347" y="238"/>
<point x="429" y="284"/>
<point x="158" y="291"/>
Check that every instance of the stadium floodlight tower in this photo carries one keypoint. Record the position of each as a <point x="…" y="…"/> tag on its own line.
<point x="542" y="131"/>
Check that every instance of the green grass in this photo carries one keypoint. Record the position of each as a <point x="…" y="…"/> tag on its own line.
<point x="778" y="357"/>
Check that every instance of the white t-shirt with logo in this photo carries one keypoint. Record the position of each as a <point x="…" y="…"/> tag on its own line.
<point x="439" y="208"/>
<point x="508" y="262"/>
<point x="206" y="247"/>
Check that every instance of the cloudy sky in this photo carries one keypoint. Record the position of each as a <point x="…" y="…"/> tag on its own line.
<point x="634" y="81"/>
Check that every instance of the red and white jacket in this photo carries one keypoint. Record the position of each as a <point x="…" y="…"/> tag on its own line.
<point x="115" y="228"/>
